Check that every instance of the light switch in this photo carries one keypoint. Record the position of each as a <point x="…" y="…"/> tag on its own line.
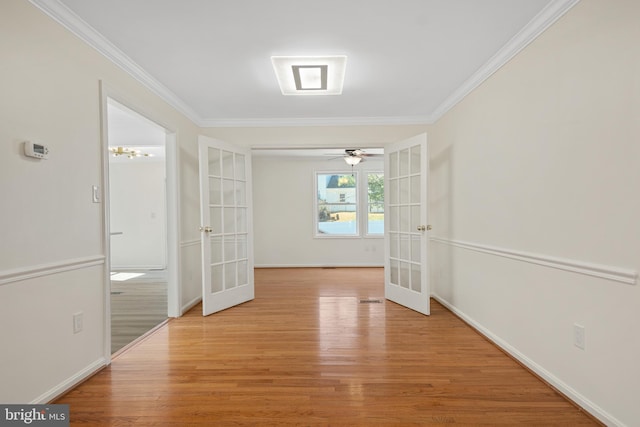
<point x="96" y="194"/>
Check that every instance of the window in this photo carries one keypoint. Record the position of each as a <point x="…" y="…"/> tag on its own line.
<point x="337" y="205"/>
<point x="339" y="209"/>
<point x="375" y="203"/>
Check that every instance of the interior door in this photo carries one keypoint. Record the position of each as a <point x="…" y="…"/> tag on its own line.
<point x="226" y="228"/>
<point x="406" y="275"/>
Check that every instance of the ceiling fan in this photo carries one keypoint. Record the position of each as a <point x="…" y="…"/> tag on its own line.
<point x="353" y="156"/>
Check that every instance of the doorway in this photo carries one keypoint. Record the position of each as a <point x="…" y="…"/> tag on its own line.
<point x="137" y="213"/>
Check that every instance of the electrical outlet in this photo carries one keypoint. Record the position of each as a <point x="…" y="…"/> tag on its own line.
<point x="77" y="322"/>
<point x="578" y="336"/>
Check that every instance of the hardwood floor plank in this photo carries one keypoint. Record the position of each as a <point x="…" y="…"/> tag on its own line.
<point x="306" y="351"/>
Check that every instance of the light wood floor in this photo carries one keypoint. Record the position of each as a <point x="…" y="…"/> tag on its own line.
<point x="307" y="351"/>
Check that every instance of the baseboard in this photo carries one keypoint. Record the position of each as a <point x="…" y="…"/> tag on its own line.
<point x="71" y="382"/>
<point x="188" y="306"/>
<point x="563" y="388"/>
<point x="318" y="265"/>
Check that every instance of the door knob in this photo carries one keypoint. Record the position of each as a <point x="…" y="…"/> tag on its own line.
<point x="429" y="228"/>
<point x="423" y="228"/>
<point x="206" y="229"/>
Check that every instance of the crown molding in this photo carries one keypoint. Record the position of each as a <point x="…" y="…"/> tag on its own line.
<point x="543" y="20"/>
<point x="318" y="121"/>
<point x="60" y="13"/>
<point x="68" y="19"/>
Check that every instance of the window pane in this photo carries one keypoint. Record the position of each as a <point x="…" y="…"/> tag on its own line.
<point x="415" y="189"/>
<point x="227" y="192"/>
<point x="215" y="197"/>
<point x="229" y="248"/>
<point x="404" y="162"/>
<point x="216" y="278"/>
<point x="216" y="249"/>
<point x="243" y="273"/>
<point x="337" y="205"/>
<point x="416" y="278"/>
<point x="230" y="275"/>
<point x="215" y="220"/>
<point x="375" y="199"/>
<point x="404" y="190"/>
<point x="240" y="174"/>
<point x="214" y="162"/>
<point x="241" y="193"/>
<point x="393" y="191"/>
<point x="393" y="165"/>
<point x="415" y="159"/>
<point x="227" y="164"/>
<point x="229" y="220"/>
<point x="241" y="246"/>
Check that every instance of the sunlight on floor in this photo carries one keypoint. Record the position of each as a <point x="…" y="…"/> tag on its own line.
<point x="122" y="277"/>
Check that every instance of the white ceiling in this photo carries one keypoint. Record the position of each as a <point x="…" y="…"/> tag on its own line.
<point x="408" y="60"/>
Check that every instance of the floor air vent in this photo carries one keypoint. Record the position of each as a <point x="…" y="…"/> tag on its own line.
<point x="370" y="301"/>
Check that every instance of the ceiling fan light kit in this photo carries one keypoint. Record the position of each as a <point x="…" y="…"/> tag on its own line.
<point x="352" y="160"/>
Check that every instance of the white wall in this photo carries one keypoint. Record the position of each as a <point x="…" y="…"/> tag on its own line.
<point x="137" y="210"/>
<point x="283" y="218"/>
<point x="51" y="249"/>
<point x="543" y="158"/>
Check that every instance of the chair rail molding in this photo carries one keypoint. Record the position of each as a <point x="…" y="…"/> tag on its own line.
<point x="31" y="272"/>
<point x="616" y="274"/>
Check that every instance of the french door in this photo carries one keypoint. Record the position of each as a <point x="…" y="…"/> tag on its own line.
<point x="406" y="274"/>
<point x="226" y="225"/>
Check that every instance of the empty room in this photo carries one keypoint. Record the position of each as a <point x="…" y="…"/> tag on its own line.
<point x="417" y="212"/>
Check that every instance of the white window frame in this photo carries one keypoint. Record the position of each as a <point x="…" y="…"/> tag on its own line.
<point x="365" y="205"/>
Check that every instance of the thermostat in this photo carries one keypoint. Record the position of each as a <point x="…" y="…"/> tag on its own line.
<point x="38" y="151"/>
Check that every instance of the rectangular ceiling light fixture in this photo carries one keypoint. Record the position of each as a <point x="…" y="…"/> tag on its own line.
<point x="310" y="75"/>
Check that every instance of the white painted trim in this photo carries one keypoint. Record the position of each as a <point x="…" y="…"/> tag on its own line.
<point x="547" y="376"/>
<point x="188" y="306"/>
<point x="68" y="19"/>
<point x="318" y="121"/>
<point x="606" y="272"/>
<point x="187" y="243"/>
<point x="172" y="192"/>
<point x="543" y="20"/>
<point x="70" y="382"/>
<point x="31" y="272"/>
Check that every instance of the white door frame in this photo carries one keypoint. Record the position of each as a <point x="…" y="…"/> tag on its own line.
<point x="174" y="306"/>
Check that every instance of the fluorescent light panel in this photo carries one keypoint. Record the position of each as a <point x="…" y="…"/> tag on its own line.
<point x="310" y="75"/>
